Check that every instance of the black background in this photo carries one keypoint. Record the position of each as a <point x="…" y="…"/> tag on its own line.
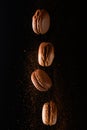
<point x="17" y="36"/>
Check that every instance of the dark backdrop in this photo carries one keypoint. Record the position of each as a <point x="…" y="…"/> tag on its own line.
<point x="17" y="36"/>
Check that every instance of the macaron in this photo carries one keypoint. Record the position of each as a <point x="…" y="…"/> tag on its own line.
<point x="45" y="54"/>
<point x="41" y="80"/>
<point x="40" y="21"/>
<point x="49" y="113"/>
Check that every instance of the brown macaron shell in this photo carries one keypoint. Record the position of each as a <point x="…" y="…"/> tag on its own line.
<point x="45" y="113"/>
<point x="45" y="22"/>
<point x="53" y="113"/>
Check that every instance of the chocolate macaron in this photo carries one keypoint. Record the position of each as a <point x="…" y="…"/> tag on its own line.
<point x="41" y="80"/>
<point x="45" y="54"/>
<point x="40" y="21"/>
<point x="49" y="113"/>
